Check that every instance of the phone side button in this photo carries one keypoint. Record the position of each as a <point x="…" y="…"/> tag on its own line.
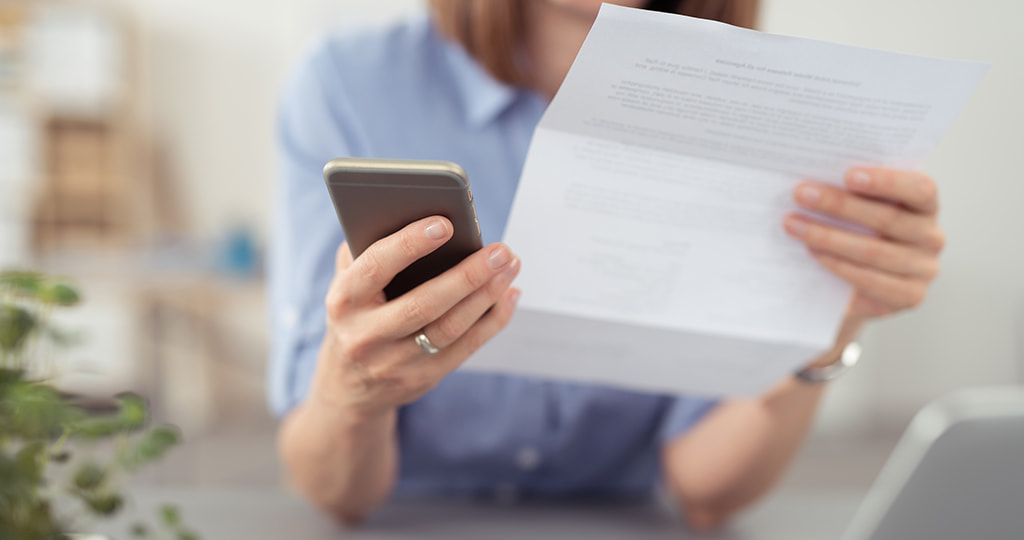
<point x="470" y="191"/>
<point x="477" y="221"/>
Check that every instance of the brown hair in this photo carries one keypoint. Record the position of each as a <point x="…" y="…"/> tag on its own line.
<point x="492" y="30"/>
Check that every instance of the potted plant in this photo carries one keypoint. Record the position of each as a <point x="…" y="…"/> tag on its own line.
<point x="61" y="463"/>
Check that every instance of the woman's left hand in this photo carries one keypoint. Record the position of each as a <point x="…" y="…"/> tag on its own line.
<point x="890" y="271"/>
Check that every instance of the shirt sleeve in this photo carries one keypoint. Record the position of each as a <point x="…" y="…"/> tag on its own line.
<point x="682" y="414"/>
<point x="315" y="125"/>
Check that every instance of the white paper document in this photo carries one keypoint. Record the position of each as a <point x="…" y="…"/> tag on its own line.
<point x="649" y="214"/>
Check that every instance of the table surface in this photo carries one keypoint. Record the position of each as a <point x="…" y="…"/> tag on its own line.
<point x="219" y="514"/>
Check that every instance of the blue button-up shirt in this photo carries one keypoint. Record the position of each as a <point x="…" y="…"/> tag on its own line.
<point x="404" y="92"/>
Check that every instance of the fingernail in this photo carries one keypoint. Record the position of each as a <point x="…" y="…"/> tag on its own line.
<point x="510" y="272"/>
<point x="436" y="230"/>
<point x="797" y="227"/>
<point x="860" y="179"/>
<point x="514" y="297"/>
<point x="808" y="194"/>
<point x="499" y="258"/>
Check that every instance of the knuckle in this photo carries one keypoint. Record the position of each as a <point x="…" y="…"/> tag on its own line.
<point x="356" y="348"/>
<point x="414" y="309"/>
<point x="836" y="201"/>
<point x="388" y="373"/>
<point x="408" y="247"/>
<point x="370" y="268"/>
<point x="874" y="253"/>
<point x="818" y="236"/>
<point x="448" y="329"/>
<point x="886" y="179"/>
<point x="889" y="217"/>
<point x="472" y="280"/>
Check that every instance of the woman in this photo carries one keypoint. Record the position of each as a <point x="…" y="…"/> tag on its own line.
<point x="367" y="412"/>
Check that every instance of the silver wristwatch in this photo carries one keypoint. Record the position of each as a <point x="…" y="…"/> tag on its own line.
<point x="818" y="375"/>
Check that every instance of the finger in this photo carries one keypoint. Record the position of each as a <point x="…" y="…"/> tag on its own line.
<point x="480" y="333"/>
<point x="864" y="250"/>
<point x="868" y="307"/>
<point x="343" y="258"/>
<point x="894" y="291"/>
<point x="335" y="301"/>
<point x="429" y="301"/>
<point x="404" y="375"/>
<point x="889" y="219"/>
<point x="372" y="270"/>
<point x="913" y="189"/>
<point x="457" y="321"/>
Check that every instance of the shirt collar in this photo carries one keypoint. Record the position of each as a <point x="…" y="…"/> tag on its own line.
<point x="482" y="96"/>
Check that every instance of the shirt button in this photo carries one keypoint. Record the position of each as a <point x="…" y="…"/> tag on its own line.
<point x="528" y="458"/>
<point x="506" y="493"/>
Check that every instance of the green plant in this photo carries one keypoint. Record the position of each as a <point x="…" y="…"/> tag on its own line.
<point x="60" y="463"/>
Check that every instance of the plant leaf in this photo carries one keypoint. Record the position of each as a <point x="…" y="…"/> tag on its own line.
<point x="60" y="293"/>
<point x="170" y="515"/>
<point x="96" y="427"/>
<point x="89" y="477"/>
<point x="21" y="282"/>
<point x="132" y="411"/>
<point x="106" y="504"/>
<point x="9" y="377"/>
<point x="152" y="445"/>
<point x="16" y="324"/>
<point x="33" y="410"/>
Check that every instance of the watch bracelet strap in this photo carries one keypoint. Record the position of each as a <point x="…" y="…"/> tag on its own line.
<point x="847" y="359"/>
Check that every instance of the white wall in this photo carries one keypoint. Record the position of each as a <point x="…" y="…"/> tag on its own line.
<point x="214" y="69"/>
<point x="969" y="331"/>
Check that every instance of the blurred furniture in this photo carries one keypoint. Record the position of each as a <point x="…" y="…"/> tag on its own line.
<point x="205" y="344"/>
<point x="269" y="515"/>
<point x="70" y="68"/>
<point x="187" y="336"/>
<point x="93" y="174"/>
<point x="87" y="189"/>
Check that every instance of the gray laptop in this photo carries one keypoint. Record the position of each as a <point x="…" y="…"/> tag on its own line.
<point x="957" y="473"/>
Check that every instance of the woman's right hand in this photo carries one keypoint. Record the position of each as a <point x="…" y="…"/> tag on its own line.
<point x="369" y="361"/>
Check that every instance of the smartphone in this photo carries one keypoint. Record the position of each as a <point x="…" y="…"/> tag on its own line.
<point x="375" y="198"/>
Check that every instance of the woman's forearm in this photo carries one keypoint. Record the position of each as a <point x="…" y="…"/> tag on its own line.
<point x="345" y="465"/>
<point x="736" y="453"/>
